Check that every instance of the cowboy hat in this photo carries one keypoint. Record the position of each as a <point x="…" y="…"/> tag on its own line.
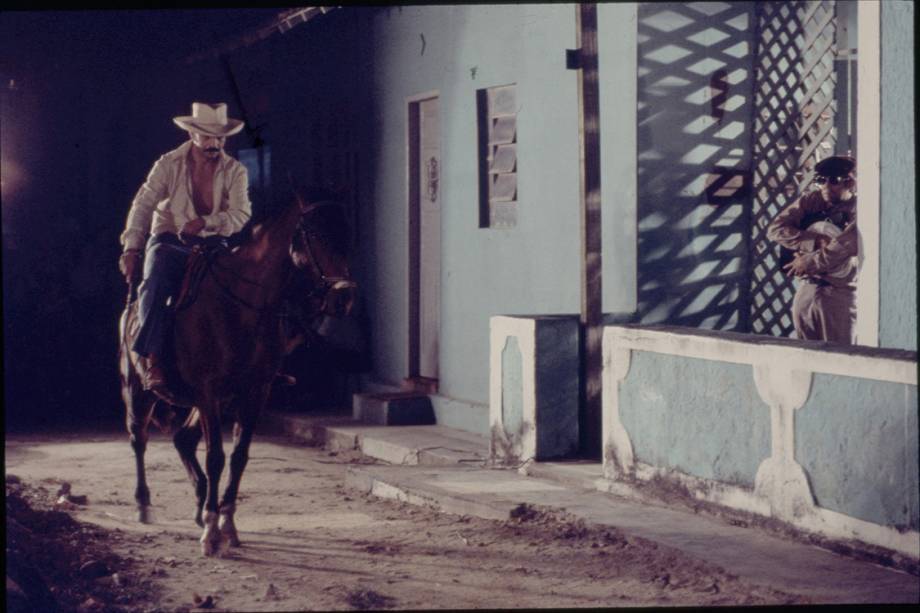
<point x="210" y="119"/>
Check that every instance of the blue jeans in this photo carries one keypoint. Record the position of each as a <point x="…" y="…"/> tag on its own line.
<point x="164" y="267"/>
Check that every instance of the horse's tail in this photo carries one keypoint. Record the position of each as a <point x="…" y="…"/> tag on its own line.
<point x="124" y="352"/>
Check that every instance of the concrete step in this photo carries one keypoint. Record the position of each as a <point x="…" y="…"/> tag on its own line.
<point x="309" y="429"/>
<point x="405" y="445"/>
<point x="411" y="445"/>
<point x="393" y="409"/>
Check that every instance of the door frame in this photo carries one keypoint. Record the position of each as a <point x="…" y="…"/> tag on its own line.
<point x="413" y="218"/>
<point x="868" y="170"/>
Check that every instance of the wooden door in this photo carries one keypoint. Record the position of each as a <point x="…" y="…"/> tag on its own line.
<point x="425" y="238"/>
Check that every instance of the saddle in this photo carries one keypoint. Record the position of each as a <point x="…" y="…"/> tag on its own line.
<point x="177" y="392"/>
<point x="195" y="267"/>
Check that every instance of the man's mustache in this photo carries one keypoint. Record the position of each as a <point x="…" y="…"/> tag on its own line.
<point x="212" y="149"/>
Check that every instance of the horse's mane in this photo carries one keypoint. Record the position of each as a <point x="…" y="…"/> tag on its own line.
<point x="329" y="220"/>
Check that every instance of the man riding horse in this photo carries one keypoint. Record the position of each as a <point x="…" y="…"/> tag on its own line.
<point x="224" y="337"/>
<point x="192" y="192"/>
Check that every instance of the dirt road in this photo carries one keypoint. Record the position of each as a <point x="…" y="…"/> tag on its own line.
<point x="311" y="544"/>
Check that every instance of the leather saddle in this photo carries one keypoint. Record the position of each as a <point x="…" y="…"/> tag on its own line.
<point x="176" y="391"/>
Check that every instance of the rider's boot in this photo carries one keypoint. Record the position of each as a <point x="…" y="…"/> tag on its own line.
<point x="155" y="378"/>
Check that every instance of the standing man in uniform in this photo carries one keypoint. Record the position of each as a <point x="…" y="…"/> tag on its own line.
<point x="821" y="228"/>
<point x="192" y="192"/>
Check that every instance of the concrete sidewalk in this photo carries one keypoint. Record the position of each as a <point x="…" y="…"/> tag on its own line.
<point x="449" y="470"/>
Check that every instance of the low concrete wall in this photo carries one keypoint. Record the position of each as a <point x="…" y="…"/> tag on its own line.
<point x="533" y="380"/>
<point x="823" y="437"/>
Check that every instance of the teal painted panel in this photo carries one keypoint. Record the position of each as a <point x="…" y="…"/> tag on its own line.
<point x="701" y="417"/>
<point x="512" y="388"/>
<point x="857" y="441"/>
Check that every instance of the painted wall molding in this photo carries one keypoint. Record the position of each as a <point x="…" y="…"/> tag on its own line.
<point x="619" y="461"/>
<point x="780" y="479"/>
<point x="884" y="365"/>
<point x="501" y="329"/>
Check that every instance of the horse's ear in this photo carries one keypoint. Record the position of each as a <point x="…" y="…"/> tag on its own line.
<point x="298" y="197"/>
<point x="300" y="202"/>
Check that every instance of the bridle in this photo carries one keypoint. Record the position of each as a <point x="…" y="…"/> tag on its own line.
<point x="327" y="282"/>
<point x="319" y="290"/>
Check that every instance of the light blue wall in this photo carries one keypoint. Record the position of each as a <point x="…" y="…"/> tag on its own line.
<point x="898" y="235"/>
<point x="617" y="81"/>
<point x="857" y="441"/>
<point x="533" y="266"/>
<point x="700" y="417"/>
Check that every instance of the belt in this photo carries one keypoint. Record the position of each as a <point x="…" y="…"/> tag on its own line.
<point x="188" y="240"/>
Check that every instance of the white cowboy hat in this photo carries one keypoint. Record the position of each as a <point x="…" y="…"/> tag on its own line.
<point x="210" y="119"/>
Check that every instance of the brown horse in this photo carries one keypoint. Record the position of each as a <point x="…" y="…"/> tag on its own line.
<point x="228" y="344"/>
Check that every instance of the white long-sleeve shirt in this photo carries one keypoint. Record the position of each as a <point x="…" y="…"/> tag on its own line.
<point x="164" y="202"/>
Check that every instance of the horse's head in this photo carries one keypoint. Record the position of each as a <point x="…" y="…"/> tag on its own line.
<point x="319" y="248"/>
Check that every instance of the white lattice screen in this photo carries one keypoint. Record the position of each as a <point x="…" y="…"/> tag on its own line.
<point x="795" y="105"/>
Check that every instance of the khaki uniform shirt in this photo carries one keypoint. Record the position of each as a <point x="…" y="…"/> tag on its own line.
<point x="164" y="202"/>
<point x="787" y="230"/>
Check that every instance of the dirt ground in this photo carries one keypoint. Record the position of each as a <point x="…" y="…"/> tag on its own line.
<point x="309" y="543"/>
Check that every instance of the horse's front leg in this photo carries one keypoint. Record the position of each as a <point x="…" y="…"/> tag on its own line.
<point x="211" y="539"/>
<point x="242" y="437"/>
<point x="186" y="441"/>
<point x="139" y="406"/>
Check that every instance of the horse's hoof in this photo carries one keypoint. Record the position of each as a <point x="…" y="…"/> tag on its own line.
<point x="228" y="530"/>
<point x="145" y="515"/>
<point x="210" y="549"/>
<point x="199" y="520"/>
<point x="211" y="539"/>
<point x="212" y="545"/>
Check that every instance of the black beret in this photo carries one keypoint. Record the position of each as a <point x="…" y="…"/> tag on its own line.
<point x="835" y="166"/>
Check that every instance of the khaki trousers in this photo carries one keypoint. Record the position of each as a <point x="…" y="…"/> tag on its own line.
<point x="824" y="313"/>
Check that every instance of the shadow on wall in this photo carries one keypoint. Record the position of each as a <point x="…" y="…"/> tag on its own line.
<point x="695" y="78"/>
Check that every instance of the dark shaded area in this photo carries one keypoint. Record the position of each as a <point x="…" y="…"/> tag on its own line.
<point x="58" y="564"/>
<point x="86" y="106"/>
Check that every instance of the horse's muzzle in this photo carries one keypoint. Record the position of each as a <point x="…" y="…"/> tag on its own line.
<point x="340" y="299"/>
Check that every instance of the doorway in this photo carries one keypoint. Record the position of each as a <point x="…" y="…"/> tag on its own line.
<point x="424" y="170"/>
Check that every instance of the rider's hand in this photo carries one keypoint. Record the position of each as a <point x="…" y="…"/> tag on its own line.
<point x="128" y="263"/>
<point x="798" y="265"/>
<point x="193" y="227"/>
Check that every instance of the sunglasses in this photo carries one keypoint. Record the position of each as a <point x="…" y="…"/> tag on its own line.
<point x="832" y="180"/>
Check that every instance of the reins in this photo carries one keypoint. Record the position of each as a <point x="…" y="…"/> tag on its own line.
<point x="318" y="290"/>
<point x="209" y="269"/>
